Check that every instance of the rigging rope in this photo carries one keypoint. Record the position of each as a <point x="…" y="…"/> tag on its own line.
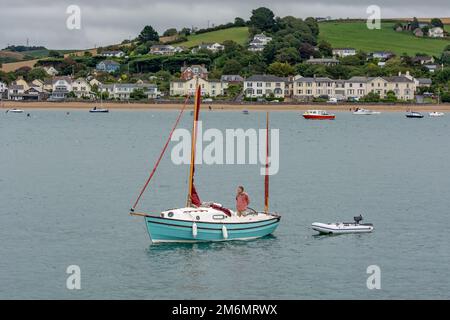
<point x="161" y="155"/>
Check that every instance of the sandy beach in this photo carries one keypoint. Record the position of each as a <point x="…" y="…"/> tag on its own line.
<point x="223" y="106"/>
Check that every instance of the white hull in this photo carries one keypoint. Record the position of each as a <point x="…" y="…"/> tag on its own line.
<point x="363" y="112"/>
<point x="341" y="228"/>
<point x="436" y="114"/>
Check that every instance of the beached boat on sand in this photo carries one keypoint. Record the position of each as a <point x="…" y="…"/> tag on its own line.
<point x="206" y="221"/>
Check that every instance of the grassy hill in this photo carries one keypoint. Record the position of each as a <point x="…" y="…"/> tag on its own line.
<point x="356" y="35"/>
<point x="238" y="34"/>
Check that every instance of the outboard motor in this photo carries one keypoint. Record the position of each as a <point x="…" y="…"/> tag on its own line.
<point x="358" y="219"/>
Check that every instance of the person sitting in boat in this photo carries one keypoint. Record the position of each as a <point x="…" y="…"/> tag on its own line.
<point x="242" y="201"/>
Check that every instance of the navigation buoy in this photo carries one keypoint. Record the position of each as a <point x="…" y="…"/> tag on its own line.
<point x="194" y="230"/>
<point x="225" y="232"/>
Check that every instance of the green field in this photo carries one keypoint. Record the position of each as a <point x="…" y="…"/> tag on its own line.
<point x="357" y="35"/>
<point x="238" y="34"/>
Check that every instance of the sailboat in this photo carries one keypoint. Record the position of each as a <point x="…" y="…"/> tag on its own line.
<point x="101" y="109"/>
<point x="201" y="221"/>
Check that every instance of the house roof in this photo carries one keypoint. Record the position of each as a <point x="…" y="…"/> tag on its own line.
<point x="266" y="78"/>
<point x="201" y="68"/>
<point x="110" y="62"/>
<point x="398" y="79"/>
<point x="231" y="77"/>
<point x="424" y="80"/>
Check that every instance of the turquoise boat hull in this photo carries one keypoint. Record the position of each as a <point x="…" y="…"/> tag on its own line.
<point x="171" y="230"/>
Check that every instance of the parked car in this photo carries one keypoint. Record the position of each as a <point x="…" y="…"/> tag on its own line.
<point x="207" y="100"/>
<point x="332" y="100"/>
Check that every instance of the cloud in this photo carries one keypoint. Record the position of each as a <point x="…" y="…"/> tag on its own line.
<point x="106" y="22"/>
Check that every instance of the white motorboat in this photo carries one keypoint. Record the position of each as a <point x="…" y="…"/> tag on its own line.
<point x="343" y="227"/>
<point x="14" y="110"/>
<point x="365" y="112"/>
<point x="436" y="114"/>
<point x="414" y="115"/>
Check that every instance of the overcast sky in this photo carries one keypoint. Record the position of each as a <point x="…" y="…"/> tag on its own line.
<point x="105" y="22"/>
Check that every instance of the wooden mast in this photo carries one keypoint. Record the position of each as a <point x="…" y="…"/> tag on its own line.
<point x="194" y="143"/>
<point x="266" y="178"/>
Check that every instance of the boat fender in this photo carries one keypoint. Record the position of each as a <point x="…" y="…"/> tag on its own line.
<point x="225" y="232"/>
<point x="194" y="230"/>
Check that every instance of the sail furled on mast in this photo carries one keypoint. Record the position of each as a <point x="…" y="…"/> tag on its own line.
<point x="193" y="198"/>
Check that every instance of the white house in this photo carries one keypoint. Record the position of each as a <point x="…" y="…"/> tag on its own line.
<point x="436" y="32"/>
<point x="123" y="91"/>
<point x="260" y="86"/>
<point x="164" y="49"/>
<point x="209" y="88"/>
<point x="61" y="87"/>
<point x="213" y="47"/>
<point x="344" y="52"/>
<point x="113" y="54"/>
<point x="81" y="88"/>
<point x="259" y="42"/>
<point x="51" y="71"/>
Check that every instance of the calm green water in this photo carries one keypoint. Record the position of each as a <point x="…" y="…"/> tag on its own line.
<point x="67" y="182"/>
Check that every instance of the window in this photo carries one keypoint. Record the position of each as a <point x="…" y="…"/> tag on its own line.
<point x="259" y="85"/>
<point x="249" y="84"/>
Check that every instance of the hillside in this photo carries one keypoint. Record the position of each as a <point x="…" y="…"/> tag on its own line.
<point x="237" y="34"/>
<point x="356" y="35"/>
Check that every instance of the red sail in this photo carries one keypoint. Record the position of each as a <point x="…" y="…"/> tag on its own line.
<point x="193" y="198"/>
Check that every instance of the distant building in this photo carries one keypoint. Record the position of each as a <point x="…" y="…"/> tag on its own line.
<point x="82" y="89"/>
<point x="323" y="61"/>
<point x="213" y="47"/>
<point x="402" y="85"/>
<point x="432" y="67"/>
<point x="51" y="71"/>
<point x="113" y="54"/>
<point x="164" y="49"/>
<point x="260" y="86"/>
<point x="418" y="32"/>
<point x="108" y="66"/>
<point x="344" y="52"/>
<point x="382" y="55"/>
<point x="436" y="32"/>
<point x="188" y="73"/>
<point x="209" y="88"/>
<point x="123" y="91"/>
<point x="3" y="91"/>
<point x="259" y="42"/>
<point x="61" y="87"/>
<point x="232" y="78"/>
<point x="423" y="60"/>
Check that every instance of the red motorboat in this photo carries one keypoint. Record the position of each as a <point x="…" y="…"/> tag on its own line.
<point x="318" y="115"/>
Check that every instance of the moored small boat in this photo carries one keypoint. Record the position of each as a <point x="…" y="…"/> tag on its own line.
<point x="14" y="110"/>
<point x="436" y="114"/>
<point x="98" y="110"/>
<point x="414" y="114"/>
<point x="343" y="227"/>
<point x="365" y="112"/>
<point x="318" y="115"/>
<point x="245" y="112"/>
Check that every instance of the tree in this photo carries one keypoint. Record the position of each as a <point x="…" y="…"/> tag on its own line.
<point x="306" y="50"/>
<point x="170" y="32"/>
<point x="262" y="19"/>
<point x="281" y="69"/>
<point x="54" y="54"/>
<point x="415" y="24"/>
<point x="436" y="22"/>
<point x="37" y="73"/>
<point x="232" y="66"/>
<point x="325" y="48"/>
<point x="148" y="34"/>
<point x="185" y="31"/>
<point x="288" y="55"/>
<point x="313" y="25"/>
<point x="138" y="94"/>
<point x="239" y="22"/>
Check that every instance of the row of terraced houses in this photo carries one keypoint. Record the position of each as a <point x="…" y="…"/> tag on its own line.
<point x="298" y="88"/>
